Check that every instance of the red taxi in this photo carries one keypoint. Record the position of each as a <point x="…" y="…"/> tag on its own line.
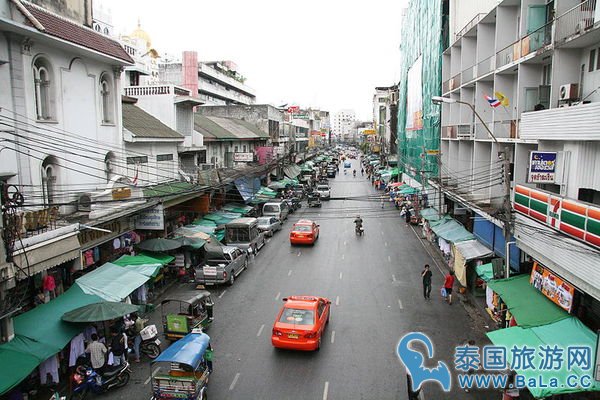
<point x="300" y="323"/>
<point x="304" y="232"/>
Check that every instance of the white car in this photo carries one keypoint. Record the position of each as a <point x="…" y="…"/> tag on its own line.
<point x="324" y="192"/>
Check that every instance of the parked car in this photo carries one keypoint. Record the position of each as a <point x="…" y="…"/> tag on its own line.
<point x="300" y="323"/>
<point x="324" y="191"/>
<point x="304" y="232"/>
<point x="277" y="209"/>
<point x="244" y="233"/>
<point x="222" y="266"/>
<point x="269" y="225"/>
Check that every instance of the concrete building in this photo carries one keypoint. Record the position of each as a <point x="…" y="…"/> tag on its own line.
<point x="138" y="45"/>
<point x="385" y="117"/>
<point x="61" y="113"/>
<point x="342" y="124"/>
<point x="215" y="82"/>
<point x="538" y="63"/>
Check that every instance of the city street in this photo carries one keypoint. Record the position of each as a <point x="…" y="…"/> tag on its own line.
<point x="375" y="287"/>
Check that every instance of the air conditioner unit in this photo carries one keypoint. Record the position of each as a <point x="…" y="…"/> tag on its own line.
<point x="568" y="92"/>
<point x="84" y="203"/>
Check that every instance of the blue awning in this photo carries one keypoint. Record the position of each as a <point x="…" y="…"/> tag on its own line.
<point x="247" y="187"/>
<point x="188" y="350"/>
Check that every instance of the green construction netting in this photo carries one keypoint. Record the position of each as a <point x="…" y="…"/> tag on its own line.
<point x="485" y="271"/>
<point x="452" y="231"/>
<point x="526" y="303"/>
<point x="564" y="333"/>
<point x="422" y="24"/>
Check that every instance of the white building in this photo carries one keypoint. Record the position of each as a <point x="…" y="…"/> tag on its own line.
<point x="215" y="82"/>
<point x="60" y="112"/>
<point x="342" y="124"/>
<point x="385" y="111"/>
<point x="543" y="57"/>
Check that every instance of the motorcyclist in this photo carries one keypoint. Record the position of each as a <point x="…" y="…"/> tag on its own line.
<point x="354" y="173"/>
<point x="358" y="222"/>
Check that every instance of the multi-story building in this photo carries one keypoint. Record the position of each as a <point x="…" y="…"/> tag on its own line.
<point x="215" y="82"/>
<point x="342" y="125"/>
<point x="385" y="117"/>
<point x="529" y="70"/>
<point x="60" y="107"/>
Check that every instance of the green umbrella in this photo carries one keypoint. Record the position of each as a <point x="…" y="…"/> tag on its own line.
<point x="97" y="312"/>
<point x="159" y="244"/>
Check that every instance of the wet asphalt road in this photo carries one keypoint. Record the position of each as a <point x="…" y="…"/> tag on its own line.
<point x="375" y="287"/>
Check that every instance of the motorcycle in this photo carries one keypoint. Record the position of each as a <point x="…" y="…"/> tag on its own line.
<point x="150" y="344"/>
<point x="359" y="230"/>
<point x="87" y="380"/>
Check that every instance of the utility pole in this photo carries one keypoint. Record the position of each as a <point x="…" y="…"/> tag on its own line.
<point x="504" y="153"/>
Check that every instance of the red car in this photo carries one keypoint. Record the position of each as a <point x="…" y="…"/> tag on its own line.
<point x="304" y="232"/>
<point x="300" y="323"/>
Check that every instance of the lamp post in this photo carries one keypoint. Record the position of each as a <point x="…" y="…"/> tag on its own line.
<point x="503" y="153"/>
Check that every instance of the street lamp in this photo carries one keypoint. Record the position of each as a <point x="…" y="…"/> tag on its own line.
<point x="506" y="206"/>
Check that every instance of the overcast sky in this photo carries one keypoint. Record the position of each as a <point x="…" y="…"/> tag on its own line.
<point x="320" y="53"/>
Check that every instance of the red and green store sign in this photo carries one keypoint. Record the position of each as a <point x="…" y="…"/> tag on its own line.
<point x="576" y="219"/>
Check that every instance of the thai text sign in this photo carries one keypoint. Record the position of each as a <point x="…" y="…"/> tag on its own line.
<point x="542" y="167"/>
<point x="552" y="286"/>
<point x="243" y="157"/>
<point x="152" y="219"/>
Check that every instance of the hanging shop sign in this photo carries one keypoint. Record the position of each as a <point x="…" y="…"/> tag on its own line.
<point x="369" y="132"/>
<point x="542" y="167"/>
<point x="552" y="286"/>
<point x="92" y="237"/>
<point x="579" y="220"/>
<point x="243" y="157"/>
<point x="152" y="219"/>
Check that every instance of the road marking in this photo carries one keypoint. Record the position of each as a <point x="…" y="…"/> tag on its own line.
<point x="235" y="379"/>
<point x="152" y="375"/>
<point x="382" y="233"/>
<point x="290" y="272"/>
<point x="343" y="256"/>
<point x="400" y="304"/>
<point x="393" y="278"/>
<point x="385" y="244"/>
<point x="389" y="258"/>
<point x="222" y="293"/>
<point x="278" y="294"/>
<point x="337" y="301"/>
<point x="332" y="337"/>
<point x="260" y="330"/>
<point x="341" y="274"/>
<point x="299" y="253"/>
<point x="325" y="390"/>
<point x="344" y="243"/>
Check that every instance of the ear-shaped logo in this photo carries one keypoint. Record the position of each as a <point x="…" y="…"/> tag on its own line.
<point x="413" y="361"/>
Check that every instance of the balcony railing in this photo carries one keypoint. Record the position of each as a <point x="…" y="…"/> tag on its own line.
<point x="468" y="74"/>
<point x="446" y="86"/>
<point x="155" y="90"/>
<point x="469" y="25"/>
<point x="506" y="129"/>
<point x="449" y="132"/>
<point x="507" y="54"/>
<point x="486" y="66"/>
<point x="576" y="21"/>
<point x="536" y="40"/>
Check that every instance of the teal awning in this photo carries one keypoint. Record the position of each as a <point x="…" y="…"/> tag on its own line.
<point x="237" y="208"/>
<point x="430" y="214"/>
<point x="452" y="231"/>
<point x="291" y="170"/>
<point x="564" y="333"/>
<point x="485" y="272"/>
<point x="144" y="258"/>
<point x="528" y="305"/>
<point x="111" y="282"/>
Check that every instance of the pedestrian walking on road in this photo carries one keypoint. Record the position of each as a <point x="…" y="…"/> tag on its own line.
<point x="426" y="274"/>
<point x="448" y="284"/>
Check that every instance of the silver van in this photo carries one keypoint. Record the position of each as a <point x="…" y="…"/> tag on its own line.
<point x="277" y="209"/>
<point x="244" y="233"/>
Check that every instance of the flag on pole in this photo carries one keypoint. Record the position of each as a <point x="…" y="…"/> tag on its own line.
<point x="493" y="102"/>
<point x="502" y="99"/>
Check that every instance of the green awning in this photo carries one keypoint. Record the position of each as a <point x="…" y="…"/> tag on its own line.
<point x="217" y="218"/>
<point x="204" y="222"/>
<point x="564" y="333"/>
<point x="485" y="271"/>
<point x="192" y="242"/>
<point x="291" y="170"/>
<point x="452" y="231"/>
<point x="408" y="190"/>
<point x="265" y="191"/>
<point x="237" y="208"/>
<point x="15" y="366"/>
<point x="111" y="282"/>
<point x="526" y="303"/>
<point x="144" y="258"/>
<point x="430" y="214"/>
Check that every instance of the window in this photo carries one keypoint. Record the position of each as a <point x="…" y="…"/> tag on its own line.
<point x="235" y="149"/>
<point x="137" y="160"/>
<point x="297" y="316"/>
<point x="42" y="74"/>
<point x="50" y="173"/>
<point x="109" y="165"/>
<point x="598" y="60"/>
<point x="589" y="195"/>
<point x="107" y="98"/>
<point x="244" y="148"/>
<point x="592" y="60"/>
<point x="164" y="157"/>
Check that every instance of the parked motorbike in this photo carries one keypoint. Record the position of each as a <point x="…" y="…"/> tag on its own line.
<point x="150" y="344"/>
<point x="86" y="380"/>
